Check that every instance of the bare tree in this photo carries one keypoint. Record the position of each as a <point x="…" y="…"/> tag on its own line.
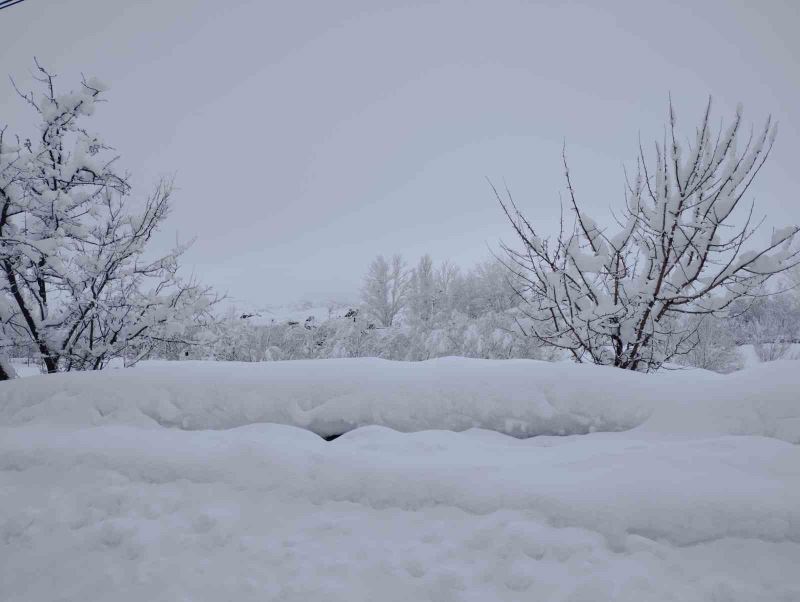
<point x="385" y="290"/>
<point x="614" y="298"/>
<point x="422" y="291"/>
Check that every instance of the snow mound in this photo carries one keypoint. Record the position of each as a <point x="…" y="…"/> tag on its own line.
<point x="521" y="398"/>
<point x="168" y="482"/>
<point x="272" y="512"/>
<point x="761" y="400"/>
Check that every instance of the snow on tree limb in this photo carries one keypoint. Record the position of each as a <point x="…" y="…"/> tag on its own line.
<point x="614" y="298"/>
<point x="74" y="280"/>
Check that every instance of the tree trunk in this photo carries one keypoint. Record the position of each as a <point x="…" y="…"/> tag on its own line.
<point x="51" y="364"/>
<point x="7" y="371"/>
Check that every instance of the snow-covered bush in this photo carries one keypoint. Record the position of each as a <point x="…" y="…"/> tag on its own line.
<point x="713" y="346"/>
<point x="615" y="296"/>
<point x="771" y="325"/>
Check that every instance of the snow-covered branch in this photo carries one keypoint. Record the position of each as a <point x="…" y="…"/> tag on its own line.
<point x="612" y="297"/>
<point x="75" y="280"/>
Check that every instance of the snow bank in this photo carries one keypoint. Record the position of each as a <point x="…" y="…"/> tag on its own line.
<point x="165" y="483"/>
<point x="271" y="512"/>
<point x="762" y="400"/>
<point x="333" y="396"/>
<point x="517" y="397"/>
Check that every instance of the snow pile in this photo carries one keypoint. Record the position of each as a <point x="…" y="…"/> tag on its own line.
<point x="762" y="400"/>
<point x="165" y="483"/>
<point x="516" y="397"/>
<point x="270" y="512"/>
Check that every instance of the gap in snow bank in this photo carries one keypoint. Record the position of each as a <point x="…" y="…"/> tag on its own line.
<point x="521" y="398"/>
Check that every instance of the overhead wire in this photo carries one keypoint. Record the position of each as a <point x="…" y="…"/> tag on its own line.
<point x="8" y="3"/>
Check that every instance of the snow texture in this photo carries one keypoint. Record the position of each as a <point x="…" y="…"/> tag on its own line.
<point x="522" y="398"/>
<point x="173" y="482"/>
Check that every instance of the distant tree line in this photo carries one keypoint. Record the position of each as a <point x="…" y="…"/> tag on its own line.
<point x="404" y="314"/>
<point x="441" y="310"/>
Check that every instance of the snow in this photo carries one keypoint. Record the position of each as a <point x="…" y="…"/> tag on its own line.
<point x="781" y="234"/>
<point x="750" y="357"/>
<point x="300" y="312"/>
<point x="173" y="481"/>
<point x="522" y="398"/>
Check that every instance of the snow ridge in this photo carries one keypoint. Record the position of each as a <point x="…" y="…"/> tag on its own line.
<point x="173" y="481"/>
<point x="521" y="398"/>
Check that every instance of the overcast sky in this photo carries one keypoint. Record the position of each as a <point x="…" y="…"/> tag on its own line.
<point x="307" y="137"/>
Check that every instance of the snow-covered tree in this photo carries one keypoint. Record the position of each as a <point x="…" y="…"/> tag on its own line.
<point x="614" y="296"/>
<point x="422" y="293"/>
<point x="433" y="324"/>
<point x="75" y="282"/>
<point x="385" y="290"/>
<point x="236" y="336"/>
<point x="771" y="324"/>
<point x="484" y="288"/>
<point x="711" y="344"/>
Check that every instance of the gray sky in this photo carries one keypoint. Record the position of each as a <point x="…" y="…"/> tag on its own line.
<point x="307" y="137"/>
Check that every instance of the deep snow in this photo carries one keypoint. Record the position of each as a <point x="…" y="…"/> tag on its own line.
<point x="172" y="482"/>
<point x="522" y="398"/>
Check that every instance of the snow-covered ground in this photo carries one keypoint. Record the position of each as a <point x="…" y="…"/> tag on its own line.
<point x="750" y="357"/>
<point x="203" y="481"/>
<point x="24" y="368"/>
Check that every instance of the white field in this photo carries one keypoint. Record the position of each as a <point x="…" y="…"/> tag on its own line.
<point x="210" y="481"/>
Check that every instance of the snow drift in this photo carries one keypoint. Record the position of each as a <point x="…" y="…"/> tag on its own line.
<point x="522" y="398"/>
<point x="172" y="482"/>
